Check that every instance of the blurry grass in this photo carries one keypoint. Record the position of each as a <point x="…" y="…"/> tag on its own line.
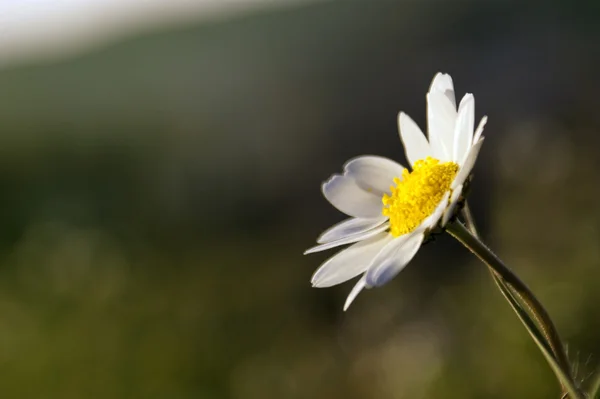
<point x="157" y="197"/>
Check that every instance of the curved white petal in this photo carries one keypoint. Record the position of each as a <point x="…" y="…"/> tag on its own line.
<point x="442" y="82"/>
<point x="349" y="262"/>
<point x="416" y="145"/>
<point x="378" y="273"/>
<point x="441" y="118"/>
<point x="374" y="174"/>
<point x="452" y="205"/>
<point x="349" y="227"/>
<point x="479" y="129"/>
<point x="393" y="258"/>
<point x="463" y="130"/>
<point x="358" y="287"/>
<point x="348" y="239"/>
<point x="344" y="193"/>
<point x="466" y="168"/>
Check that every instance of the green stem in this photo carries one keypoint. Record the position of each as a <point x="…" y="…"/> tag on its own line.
<point x="524" y="294"/>
<point x="503" y="275"/>
<point x="569" y="388"/>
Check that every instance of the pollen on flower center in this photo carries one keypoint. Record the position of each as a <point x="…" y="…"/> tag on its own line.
<point x="417" y="194"/>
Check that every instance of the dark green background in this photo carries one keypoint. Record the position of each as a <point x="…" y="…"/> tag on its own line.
<point x="158" y="193"/>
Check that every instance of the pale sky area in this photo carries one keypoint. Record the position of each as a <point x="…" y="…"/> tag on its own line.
<point x="36" y="29"/>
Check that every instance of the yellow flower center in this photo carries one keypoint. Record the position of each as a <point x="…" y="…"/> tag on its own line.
<point x="417" y="194"/>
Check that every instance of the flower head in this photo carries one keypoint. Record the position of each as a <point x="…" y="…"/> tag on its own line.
<point x="392" y="209"/>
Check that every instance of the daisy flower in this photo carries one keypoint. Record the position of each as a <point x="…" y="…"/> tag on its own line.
<point x="393" y="210"/>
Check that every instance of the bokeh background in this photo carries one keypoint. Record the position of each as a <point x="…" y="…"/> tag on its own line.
<point x="158" y="191"/>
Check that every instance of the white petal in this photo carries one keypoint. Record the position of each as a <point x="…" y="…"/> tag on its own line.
<point x="479" y="129"/>
<point x="350" y="262"/>
<point x="442" y="83"/>
<point x="348" y="239"/>
<point x="415" y="143"/>
<point x="344" y="193"/>
<point x="466" y="168"/>
<point x="377" y="270"/>
<point x="463" y="131"/>
<point x="441" y="118"/>
<point x="374" y="174"/>
<point x="349" y="227"/>
<point x="449" y="212"/>
<point x="360" y="284"/>
<point x="393" y="258"/>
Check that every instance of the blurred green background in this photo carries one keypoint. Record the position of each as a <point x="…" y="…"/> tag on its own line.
<point x="158" y="193"/>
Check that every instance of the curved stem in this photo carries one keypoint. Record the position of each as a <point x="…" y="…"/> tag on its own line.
<point x="570" y="390"/>
<point x="503" y="275"/>
<point x="535" y="308"/>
